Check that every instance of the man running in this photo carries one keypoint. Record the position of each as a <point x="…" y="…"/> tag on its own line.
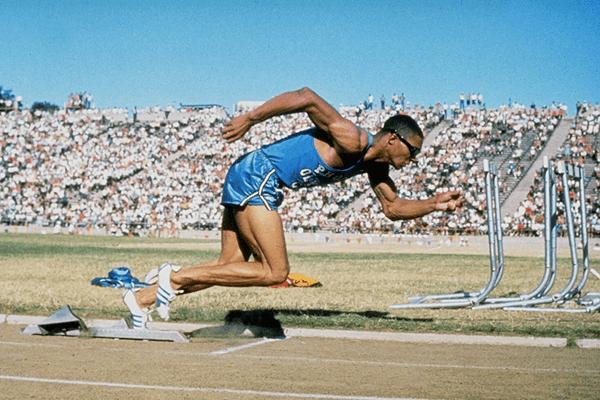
<point x="334" y="150"/>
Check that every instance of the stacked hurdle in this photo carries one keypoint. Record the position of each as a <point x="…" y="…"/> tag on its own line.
<point x="466" y="299"/>
<point x="550" y="239"/>
<point x="588" y="303"/>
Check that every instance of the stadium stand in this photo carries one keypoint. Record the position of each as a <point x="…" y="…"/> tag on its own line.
<point x="159" y="171"/>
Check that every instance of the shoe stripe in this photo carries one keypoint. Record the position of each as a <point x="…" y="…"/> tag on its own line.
<point x="138" y="321"/>
<point x="163" y="291"/>
<point x="162" y="296"/>
<point x="163" y="267"/>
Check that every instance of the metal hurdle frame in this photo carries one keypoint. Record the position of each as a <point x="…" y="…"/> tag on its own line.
<point x="590" y="301"/>
<point x="466" y="299"/>
<point x="550" y="240"/>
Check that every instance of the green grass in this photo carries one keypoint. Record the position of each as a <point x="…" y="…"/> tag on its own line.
<point x="42" y="273"/>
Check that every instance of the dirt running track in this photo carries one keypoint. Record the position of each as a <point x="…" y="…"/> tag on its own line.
<point x="51" y="367"/>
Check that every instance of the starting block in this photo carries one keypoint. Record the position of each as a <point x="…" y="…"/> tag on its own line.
<point x="62" y="322"/>
<point x="65" y="323"/>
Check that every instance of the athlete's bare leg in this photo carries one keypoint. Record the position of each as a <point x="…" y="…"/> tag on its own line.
<point x="250" y="230"/>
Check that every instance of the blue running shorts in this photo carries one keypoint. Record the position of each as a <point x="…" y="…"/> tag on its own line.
<point x="252" y="180"/>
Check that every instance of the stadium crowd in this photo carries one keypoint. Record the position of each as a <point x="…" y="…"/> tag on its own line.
<point x="89" y="169"/>
<point x="581" y="149"/>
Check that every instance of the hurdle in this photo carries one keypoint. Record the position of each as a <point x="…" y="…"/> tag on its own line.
<point x="590" y="301"/>
<point x="550" y="244"/>
<point x="466" y="299"/>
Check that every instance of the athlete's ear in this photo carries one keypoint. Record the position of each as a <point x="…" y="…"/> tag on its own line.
<point x="391" y="138"/>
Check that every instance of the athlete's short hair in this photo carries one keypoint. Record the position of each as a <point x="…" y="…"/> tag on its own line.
<point x="403" y="125"/>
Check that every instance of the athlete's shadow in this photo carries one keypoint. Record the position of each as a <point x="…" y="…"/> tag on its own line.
<point x="262" y="322"/>
<point x="253" y="323"/>
<point x="331" y="313"/>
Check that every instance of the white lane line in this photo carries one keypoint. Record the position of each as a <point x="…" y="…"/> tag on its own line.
<point x="422" y="365"/>
<point x="245" y="346"/>
<point x="32" y="344"/>
<point x="342" y="361"/>
<point x="192" y="389"/>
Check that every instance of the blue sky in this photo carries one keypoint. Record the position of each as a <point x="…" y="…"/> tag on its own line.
<point x="146" y="53"/>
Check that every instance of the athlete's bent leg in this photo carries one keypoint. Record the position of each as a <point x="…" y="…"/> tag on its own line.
<point x="233" y="248"/>
<point x="249" y="230"/>
<point x="261" y="232"/>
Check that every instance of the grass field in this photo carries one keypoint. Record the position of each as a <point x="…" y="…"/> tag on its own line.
<point x="42" y="273"/>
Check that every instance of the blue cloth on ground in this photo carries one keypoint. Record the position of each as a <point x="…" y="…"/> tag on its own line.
<point x="119" y="278"/>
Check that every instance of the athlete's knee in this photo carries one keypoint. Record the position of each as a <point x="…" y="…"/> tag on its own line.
<point x="277" y="275"/>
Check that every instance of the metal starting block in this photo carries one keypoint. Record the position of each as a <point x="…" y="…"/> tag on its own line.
<point x="122" y="331"/>
<point x="65" y="323"/>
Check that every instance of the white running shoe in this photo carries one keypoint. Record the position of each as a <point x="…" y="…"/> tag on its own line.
<point x="152" y="276"/>
<point x="165" y="293"/>
<point x="139" y="315"/>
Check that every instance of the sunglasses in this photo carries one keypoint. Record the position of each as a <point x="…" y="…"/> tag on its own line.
<point x="414" y="151"/>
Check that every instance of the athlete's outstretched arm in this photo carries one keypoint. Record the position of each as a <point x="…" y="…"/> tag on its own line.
<point x="342" y="131"/>
<point x="397" y="208"/>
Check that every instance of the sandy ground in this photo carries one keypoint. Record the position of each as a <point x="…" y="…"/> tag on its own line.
<point x="52" y="367"/>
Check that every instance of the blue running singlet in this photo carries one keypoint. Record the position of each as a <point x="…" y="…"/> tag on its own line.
<point x="293" y="162"/>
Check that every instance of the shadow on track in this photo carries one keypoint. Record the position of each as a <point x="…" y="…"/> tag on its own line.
<point x="262" y="322"/>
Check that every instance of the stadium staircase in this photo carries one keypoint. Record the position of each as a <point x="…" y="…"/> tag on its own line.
<point x="519" y="193"/>
<point x="589" y="165"/>
<point x="430" y="138"/>
<point x="505" y="158"/>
